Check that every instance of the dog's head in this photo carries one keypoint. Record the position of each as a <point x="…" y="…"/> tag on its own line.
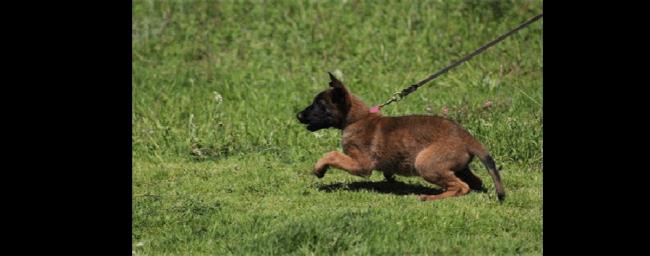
<point x="329" y="108"/>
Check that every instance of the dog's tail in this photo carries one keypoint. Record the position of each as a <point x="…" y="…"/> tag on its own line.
<point x="488" y="161"/>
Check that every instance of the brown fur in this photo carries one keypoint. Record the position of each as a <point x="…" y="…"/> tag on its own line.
<point x="434" y="148"/>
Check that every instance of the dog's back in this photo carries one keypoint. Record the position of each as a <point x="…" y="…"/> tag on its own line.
<point x="394" y="142"/>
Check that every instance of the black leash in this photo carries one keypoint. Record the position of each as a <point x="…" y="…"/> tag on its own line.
<point x="408" y="90"/>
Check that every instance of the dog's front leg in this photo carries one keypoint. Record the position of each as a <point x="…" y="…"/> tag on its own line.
<point x="341" y="161"/>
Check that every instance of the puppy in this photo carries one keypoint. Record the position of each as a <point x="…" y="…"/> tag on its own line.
<point x="432" y="147"/>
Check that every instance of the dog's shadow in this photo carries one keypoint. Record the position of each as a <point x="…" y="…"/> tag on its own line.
<point x="385" y="187"/>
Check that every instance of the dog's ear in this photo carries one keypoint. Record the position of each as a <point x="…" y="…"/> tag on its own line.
<point x="340" y="94"/>
<point x="335" y="82"/>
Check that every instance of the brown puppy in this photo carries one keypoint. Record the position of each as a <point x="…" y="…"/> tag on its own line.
<point x="434" y="148"/>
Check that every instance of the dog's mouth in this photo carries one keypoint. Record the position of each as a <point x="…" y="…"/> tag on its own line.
<point x="309" y="123"/>
<point x="312" y="127"/>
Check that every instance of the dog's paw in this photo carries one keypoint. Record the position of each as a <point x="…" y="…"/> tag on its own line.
<point x="427" y="197"/>
<point x="320" y="169"/>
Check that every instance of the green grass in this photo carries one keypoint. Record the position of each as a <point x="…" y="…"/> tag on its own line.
<point x="222" y="167"/>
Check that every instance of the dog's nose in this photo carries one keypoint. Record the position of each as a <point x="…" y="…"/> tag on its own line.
<point x="300" y="116"/>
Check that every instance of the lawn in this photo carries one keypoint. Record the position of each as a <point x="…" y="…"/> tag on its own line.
<point x="221" y="166"/>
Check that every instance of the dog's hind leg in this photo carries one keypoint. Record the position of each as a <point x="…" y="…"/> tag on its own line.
<point x="452" y="185"/>
<point x="341" y="161"/>
<point x="389" y="176"/>
<point x="471" y="179"/>
<point x="437" y="165"/>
